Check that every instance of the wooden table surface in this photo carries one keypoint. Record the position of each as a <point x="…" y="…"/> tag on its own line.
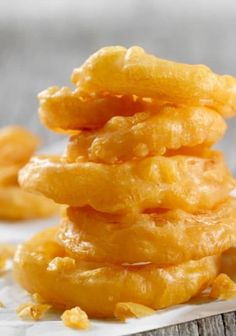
<point x="220" y="325"/>
<point x="40" y="44"/>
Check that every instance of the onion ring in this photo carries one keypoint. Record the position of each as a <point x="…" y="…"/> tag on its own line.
<point x="41" y="266"/>
<point x="17" y="204"/>
<point x="63" y="110"/>
<point x="132" y="71"/>
<point x="188" y="183"/>
<point x="161" y="237"/>
<point x="145" y="134"/>
<point x="9" y="175"/>
<point x="16" y="145"/>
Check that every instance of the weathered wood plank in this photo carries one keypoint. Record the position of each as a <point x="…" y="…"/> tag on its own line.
<point x="213" y="326"/>
<point x="229" y="321"/>
<point x="220" y="325"/>
<point x="170" y="331"/>
<point x="188" y="329"/>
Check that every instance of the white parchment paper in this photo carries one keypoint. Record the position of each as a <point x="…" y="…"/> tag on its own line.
<point x="12" y="295"/>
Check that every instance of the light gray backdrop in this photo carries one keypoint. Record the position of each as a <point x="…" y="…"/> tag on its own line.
<point x="42" y="41"/>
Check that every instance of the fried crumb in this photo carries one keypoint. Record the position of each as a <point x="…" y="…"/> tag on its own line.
<point x="75" y="318"/>
<point x="124" y="310"/>
<point x="32" y="311"/>
<point x="223" y="288"/>
<point x="2" y="305"/>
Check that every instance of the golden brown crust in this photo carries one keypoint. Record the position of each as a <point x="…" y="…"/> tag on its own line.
<point x="18" y="204"/>
<point x="147" y="134"/>
<point x="188" y="183"/>
<point x="132" y="71"/>
<point x="97" y="288"/>
<point x="161" y="237"/>
<point x="63" y="110"/>
<point x="16" y="145"/>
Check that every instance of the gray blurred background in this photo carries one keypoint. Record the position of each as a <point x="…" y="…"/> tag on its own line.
<point x="42" y="41"/>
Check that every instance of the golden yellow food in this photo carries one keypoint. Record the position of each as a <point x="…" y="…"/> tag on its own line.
<point x="162" y="237"/>
<point x="228" y="264"/>
<point x="63" y="110"/>
<point x="223" y="287"/>
<point x="132" y="71"/>
<point x="188" y="183"/>
<point x="124" y="310"/>
<point x="147" y="134"/>
<point x="16" y="145"/>
<point x="149" y="211"/>
<point x="18" y="204"/>
<point x="9" y="175"/>
<point x="37" y="298"/>
<point x="32" y="311"/>
<point x="97" y="288"/>
<point x="75" y="318"/>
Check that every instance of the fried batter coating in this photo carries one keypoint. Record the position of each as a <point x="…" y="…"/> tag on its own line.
<point x="184" y="182"/>
<point x="124" y="310"/>
<point x="64" y="110"/>
<point x="9" y="175"/>
<point x="32" y="311"/>
<point x="132" y="71"/>
<point x="75" y="318"/>
<point x="147" y="134"/>
<point x="223" y="288"/>
<point x="163" y="237"/>
<point x="16" y="145"/>
<point x="97" y="288"/>
<point x="18" y="204"/>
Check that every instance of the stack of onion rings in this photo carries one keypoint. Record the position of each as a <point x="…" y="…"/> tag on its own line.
<point x="17" y="145"/>
<point x="148" y="208"/>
